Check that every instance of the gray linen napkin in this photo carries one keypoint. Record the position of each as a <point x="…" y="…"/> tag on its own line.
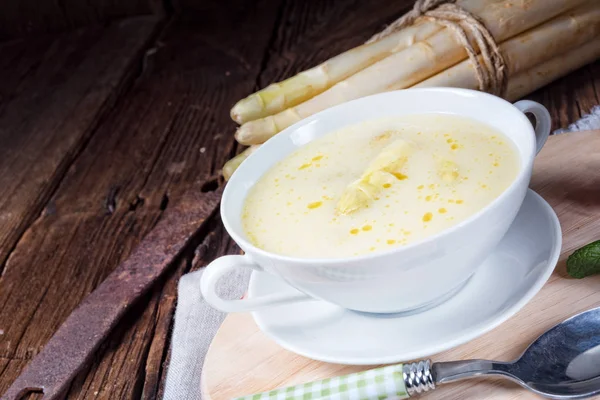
<point x="196" y="322"/>
<point x="195" y="325"/>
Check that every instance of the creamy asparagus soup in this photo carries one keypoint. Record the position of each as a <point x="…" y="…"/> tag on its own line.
<point x="378" y="185"/>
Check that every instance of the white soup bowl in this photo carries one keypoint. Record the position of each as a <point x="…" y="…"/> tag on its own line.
<point x="406" y="278"/>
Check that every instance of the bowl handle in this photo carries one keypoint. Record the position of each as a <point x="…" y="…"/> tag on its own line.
<point x="221" y="266"/>
<point x="543" y="121"/>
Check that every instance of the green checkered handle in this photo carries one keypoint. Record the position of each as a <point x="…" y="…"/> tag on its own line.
<point x="392" y="382"/>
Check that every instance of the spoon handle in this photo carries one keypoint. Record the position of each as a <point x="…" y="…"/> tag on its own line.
<point x="451" y="371"/>
<point x="397" y="382"/>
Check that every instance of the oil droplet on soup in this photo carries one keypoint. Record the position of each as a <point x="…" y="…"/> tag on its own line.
<point x="315" y="204"/>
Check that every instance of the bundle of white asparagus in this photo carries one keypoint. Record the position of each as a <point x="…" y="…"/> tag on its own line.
<point x="540" y="41"/>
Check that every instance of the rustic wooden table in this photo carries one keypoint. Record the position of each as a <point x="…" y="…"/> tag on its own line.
<point x="101" y="129"/>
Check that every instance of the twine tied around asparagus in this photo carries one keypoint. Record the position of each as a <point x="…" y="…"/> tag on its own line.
<point x="491" y="70"/>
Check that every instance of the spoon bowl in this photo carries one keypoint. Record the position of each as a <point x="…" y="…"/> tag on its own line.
<point x="563" y="363"/>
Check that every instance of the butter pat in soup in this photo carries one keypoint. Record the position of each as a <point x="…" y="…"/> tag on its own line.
<point x="378" y="185"/>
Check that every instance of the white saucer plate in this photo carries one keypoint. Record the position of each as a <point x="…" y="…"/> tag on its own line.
<point x="505" y="282"/>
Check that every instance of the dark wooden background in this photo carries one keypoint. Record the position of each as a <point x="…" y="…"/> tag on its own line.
<point x="109" y="111"/>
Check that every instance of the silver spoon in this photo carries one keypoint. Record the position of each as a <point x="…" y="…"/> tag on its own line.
<point x="563" y="363"/>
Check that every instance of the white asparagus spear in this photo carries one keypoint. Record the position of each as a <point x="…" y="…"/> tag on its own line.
<point x="383" y="169"/>
<point x="531" y="48"/>
<point x="561" y="65"/>
<point x="521" y="84"/>
<point x="233" y="164"/>
<point x="504" y="19"/>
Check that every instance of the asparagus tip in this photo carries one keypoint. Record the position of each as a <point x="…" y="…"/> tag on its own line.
<point x="235" y="116"/>
<point x="233" y="164"/>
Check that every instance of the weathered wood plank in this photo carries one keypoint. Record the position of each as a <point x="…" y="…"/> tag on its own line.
<point x="185" y="157"/>
<point x="160" y="140"/>
<point x="56" y="91"/>
<point x="34" y="17"/>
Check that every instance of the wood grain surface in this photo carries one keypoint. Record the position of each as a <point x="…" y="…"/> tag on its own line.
<point x="103" y="128"/>
<point x="34" y="17"/>
<point x="242" y="360"/>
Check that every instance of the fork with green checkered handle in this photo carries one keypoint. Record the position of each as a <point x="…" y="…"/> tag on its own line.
<point x="391" y="382"/>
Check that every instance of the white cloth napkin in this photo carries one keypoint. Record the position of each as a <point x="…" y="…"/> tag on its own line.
<point x="196" y="322"/>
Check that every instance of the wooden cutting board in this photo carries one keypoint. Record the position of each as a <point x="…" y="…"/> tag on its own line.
<point x="242" y="360"/>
